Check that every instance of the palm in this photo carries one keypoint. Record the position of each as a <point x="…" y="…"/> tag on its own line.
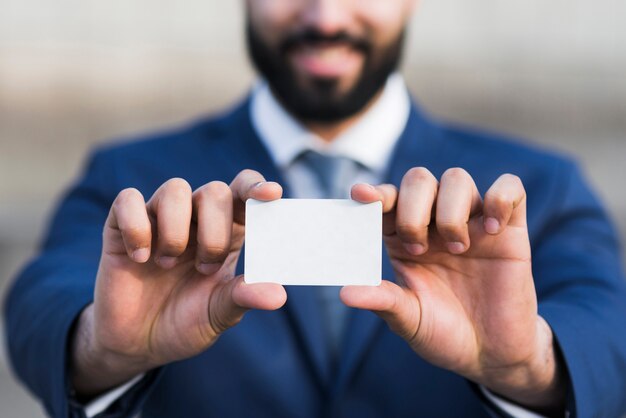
<point x="467" y="301"/>
<point x="166" y="313"/>
<point x="166" y="289"/>
<point x="465" y="297"/>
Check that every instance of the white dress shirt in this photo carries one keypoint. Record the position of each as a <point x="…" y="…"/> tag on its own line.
<point x="370" y="142"/>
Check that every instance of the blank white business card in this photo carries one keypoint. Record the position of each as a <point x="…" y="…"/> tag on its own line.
<point x="324" y="242"/>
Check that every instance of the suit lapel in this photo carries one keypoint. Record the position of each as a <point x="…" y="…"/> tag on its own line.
<point x="361" y="330"/>
<point x="246" y="150"/>
<point x="419" y="145"/>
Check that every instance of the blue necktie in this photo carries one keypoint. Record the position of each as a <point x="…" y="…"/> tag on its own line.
<point x="335" y="176"/>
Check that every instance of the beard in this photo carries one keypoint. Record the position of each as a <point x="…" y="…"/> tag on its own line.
<point x="322" y="100"/>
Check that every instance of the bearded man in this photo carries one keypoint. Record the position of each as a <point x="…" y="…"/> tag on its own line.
<point x="503" y="292"/>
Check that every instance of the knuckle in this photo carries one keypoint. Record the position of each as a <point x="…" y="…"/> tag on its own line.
<point x="249" y="174"/>
<point x="177" y="187"/>
<point x="126" y="196"/>
<point x="174" y="243"/>
<point x="420" y="174"/>
<point x="202" y="194"/>
<point x="133" y="233"/>
<point x="245" y="181"/>
<point x="410" y="230"/>
<point x="220" y="322"/>
<point x="219" y="190"/>
<point x="389" y="189"/>
<point x="514" y="180"/>
<point x="511" y="177"/>
<point x="214" y="252"/>
<point x="389" y="193"/>
<point x="215" y="190"/>
<point x="499" y="198"/>
<point x="450" y="227"/>
<point x="214" y="246"/>
<point x="456" y="173"/>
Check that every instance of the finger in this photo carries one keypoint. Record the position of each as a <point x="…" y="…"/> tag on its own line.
<point x="418" y="191"/>
<point x="457" y="200"/>
<point x="264" y="296"/>
<point x="505" y="204"/>
<point x="236" y="297"/>
<point x="171" y="206"/>
<point x="128" y="216"/>
<point x="213" y="212"/>
<point x="387" y="194"/>
<point x="392" y="303"/>
<point x="250" y="184"/>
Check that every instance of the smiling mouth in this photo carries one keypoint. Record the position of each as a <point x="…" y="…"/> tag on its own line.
<point x="326" y="59"/>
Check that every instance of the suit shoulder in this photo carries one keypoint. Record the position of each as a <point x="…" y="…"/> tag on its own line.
<point x="172" y="140"/>
<point x="508" y="150"/>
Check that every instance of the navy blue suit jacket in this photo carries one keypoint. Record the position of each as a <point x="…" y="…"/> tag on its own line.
<point x="273" y="364"/>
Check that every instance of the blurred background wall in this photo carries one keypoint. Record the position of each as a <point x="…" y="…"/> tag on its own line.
<point x="74" y="73"/>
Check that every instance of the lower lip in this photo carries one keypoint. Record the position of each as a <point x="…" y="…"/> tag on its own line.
<point x="327" y="63"/>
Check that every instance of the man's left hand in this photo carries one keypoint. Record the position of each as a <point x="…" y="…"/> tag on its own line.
<point x="465" y="298"/>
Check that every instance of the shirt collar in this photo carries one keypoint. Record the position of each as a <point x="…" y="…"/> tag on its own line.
<point x="369" y="141"/>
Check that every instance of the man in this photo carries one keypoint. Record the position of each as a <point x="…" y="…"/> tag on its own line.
<point x="153" y="313"/>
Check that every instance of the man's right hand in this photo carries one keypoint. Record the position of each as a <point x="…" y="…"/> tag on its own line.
<point x="166" y="286"/>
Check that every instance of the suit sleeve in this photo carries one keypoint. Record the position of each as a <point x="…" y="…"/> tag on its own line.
<point x="582" y="295"/>
<point x="49" y="294"/>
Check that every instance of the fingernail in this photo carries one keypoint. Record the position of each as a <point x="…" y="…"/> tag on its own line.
<point x="414" y="249"/>
<point x="456" y="247"/>
<point x="141" y="255"/>
<point x="167" y="262"/>
<point x="492" y="226"/>
<point x="208" y="268"/>
<point x="259" y="184"/>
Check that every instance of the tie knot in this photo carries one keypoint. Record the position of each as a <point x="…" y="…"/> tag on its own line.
<point x="335" y="174"/>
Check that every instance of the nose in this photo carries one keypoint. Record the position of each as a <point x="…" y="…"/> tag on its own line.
<point x="327" y="16"/>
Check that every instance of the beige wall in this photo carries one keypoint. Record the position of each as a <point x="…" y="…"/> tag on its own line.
<point x="76" y="72"/>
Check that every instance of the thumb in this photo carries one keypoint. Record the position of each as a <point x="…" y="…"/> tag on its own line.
<point x="394" y="304"/>
<point x="228" y="303"/>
